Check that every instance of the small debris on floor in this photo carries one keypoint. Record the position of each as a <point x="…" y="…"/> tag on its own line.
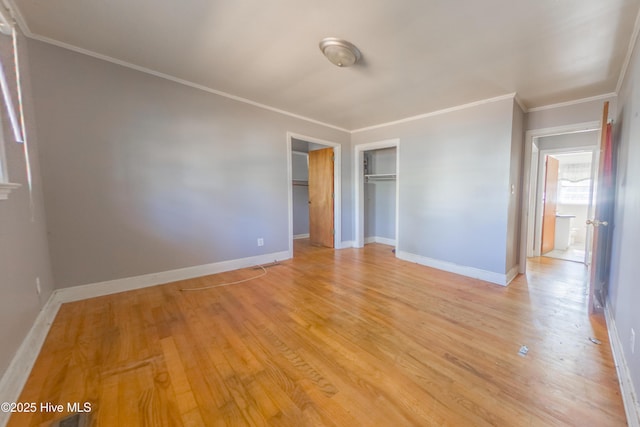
<point x="523" y="350"/>
<point x="595" y="340"/>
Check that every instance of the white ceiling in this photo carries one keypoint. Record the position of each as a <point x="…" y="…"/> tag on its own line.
<point x="418" y="55"/>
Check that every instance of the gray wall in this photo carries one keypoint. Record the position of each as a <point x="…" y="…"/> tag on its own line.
<point x="454" y="184"/>
<point x="24" y="254"/>
<point x="380" y="196"/>
<point x="624" y="288"/>
<point x="569" y="115"/>
<point x="144" y="175"/>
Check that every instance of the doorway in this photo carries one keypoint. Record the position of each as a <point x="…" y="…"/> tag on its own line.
<point x="301" y="219"/>
<point x="565" y="198"/>
<point x="377" y="176"/>
<point x="581" y="140"/>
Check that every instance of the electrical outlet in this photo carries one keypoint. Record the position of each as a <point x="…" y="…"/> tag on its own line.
<point x="633" y="341"/>
<point x="38" y="289"/>
<point x="260" y="241"/>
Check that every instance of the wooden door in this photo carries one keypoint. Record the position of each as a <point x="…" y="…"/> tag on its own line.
<point x="603" y="215"/>
<point x="550" y="202"/>
<point x="321" y="196"/>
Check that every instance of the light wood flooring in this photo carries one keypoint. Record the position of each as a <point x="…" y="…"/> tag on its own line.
<point x="337" y="338"/>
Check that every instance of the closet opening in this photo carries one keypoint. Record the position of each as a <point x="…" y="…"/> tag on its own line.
<point x="377" y="193"/>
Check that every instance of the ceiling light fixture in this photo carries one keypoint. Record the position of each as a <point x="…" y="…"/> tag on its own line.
<point x="340" y="52"/>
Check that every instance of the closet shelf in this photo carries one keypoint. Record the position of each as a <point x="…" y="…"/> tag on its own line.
<point x="301" y="183"/>
<point x="380" y="177"/>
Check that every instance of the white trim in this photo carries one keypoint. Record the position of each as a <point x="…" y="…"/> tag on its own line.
<point x="179" y="80"/>
<point x="359" y="185"/>
<point x="475" y="273"/>
<point x="301" y="236"/>
<point x="16" y="375"/>
<point x="524" y="108"/>
<point x="76" y="293"/>
<point x="381" y="240"/>
<point x="347" y="244"/>
<point x="337" y="186"/>
<point x="512" y="274"/>
<point x="438" y="112"/>
<point x="529" y="242"/>
<point x="629" y="395"/>
<point x="627" y="58"/>
<point x="17" y="15"/>
<point x="574" y="102"/>
<point x="6" y="188"/>
<point x="530" y="136"/>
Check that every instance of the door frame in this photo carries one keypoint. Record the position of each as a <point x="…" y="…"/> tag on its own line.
<point x="337" y="186"/>
<point x="359" y="186"/>
<point x="530" y="183"/>
<point x="544" y="205"/>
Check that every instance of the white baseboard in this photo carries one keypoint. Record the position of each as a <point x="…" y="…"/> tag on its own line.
<point x="301" y="236"/>
<point x="76" y="293"/>
<point x="512" y="274"/>
<point x="16" y="375"/>
<point x="476" y="273"/>
<point x="377" y="239"/>
<point x="347" y="244"/>
<point x="629" y="395"/>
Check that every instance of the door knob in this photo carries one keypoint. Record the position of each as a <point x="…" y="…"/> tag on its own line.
<point x="597" y="222"/>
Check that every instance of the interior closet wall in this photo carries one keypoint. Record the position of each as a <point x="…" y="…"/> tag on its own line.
<point x="300" y="172"/>
<point x="380" y="196"/>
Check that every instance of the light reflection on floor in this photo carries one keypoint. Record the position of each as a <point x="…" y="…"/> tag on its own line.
<point x="572" y="253"/>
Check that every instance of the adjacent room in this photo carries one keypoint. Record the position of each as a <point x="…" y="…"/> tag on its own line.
<point x="334" y="213"/>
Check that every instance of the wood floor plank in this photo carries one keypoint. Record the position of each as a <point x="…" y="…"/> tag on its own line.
<point x="335" y="338"/>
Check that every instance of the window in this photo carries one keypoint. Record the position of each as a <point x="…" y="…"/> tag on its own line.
<point x="9" y="109"/>
<point x="574" y="183"/>
<point x="5" y="186"/>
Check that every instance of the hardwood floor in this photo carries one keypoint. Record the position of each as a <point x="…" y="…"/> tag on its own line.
<point x="337" y="338"/>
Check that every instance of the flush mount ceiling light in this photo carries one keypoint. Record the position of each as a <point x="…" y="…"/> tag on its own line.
<point x="340" y="52"/>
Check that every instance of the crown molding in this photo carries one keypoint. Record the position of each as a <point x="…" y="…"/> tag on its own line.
<point x="574" y="102"/>
<point x="27" y="32"/>
<point x="627" y="59"/>
<point x="438" y="112"/>
<point x="24" y="27"/>
<point x="181" y="81"/>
